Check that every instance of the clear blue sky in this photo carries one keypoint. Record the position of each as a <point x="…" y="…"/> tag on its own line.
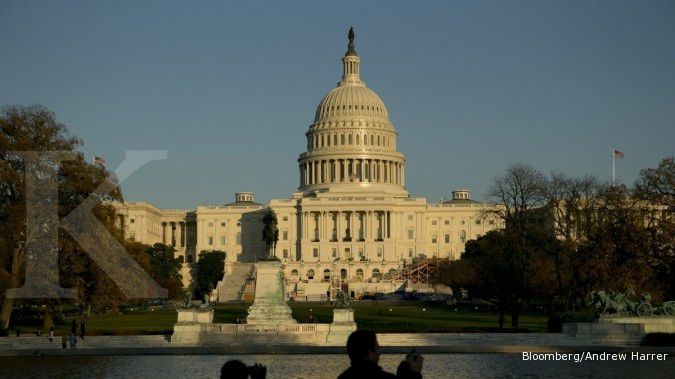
<point x="229" y="89"/>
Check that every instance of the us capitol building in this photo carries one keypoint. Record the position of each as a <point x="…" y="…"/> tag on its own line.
<point x="351" y="224"/>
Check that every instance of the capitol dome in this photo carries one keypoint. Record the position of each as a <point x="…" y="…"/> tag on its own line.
<point x="351" y="145"/>
<point x="351" y="100"/>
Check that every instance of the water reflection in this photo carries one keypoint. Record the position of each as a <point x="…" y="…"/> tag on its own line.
<point x="319" y="366"/>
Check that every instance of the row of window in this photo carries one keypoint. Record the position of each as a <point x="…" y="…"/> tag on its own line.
<point x="310" y="274"/>
<point x="462" y="222"/>
<point x="349" y="107"/>
<point x="223" y="239"/>
<point x="318" y="140"/>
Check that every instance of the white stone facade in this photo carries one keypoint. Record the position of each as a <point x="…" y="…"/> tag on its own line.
<point x="351" y="219"/>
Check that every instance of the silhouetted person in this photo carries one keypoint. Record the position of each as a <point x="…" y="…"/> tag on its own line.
<point x="64" y="341"/>
<point x="83" y="329"/>
<point x="51" y="333"/>
<point x="73" y="327"/>
<point x="364" y="354"/>
<point x="236" y="369"/>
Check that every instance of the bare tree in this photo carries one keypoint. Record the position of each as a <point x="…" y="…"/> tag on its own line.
<point x="519" y="196"/>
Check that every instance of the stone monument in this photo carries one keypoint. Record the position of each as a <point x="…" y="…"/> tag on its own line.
<point x="269" y="306"/>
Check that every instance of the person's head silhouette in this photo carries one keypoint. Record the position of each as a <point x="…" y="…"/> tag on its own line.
<point x="362" y="346"/>
<point x="234" y="369"/>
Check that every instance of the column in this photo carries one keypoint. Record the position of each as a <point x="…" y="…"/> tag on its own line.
<point x="389" y="179"/>
<point x="342" y="170"/>
<point x="179" y="236"/>
<point x="172" y="238"/>
<point x="362" y="164"/>
<point x="398" y="174"/>
<point x="402" y="175"/>
<point x="373" y="171"/>
<point x="326" y="225"/>
<point x="338" y="226"/>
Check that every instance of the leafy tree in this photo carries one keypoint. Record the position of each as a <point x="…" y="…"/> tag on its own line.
<point x="208" y="271"/>
<point x="166" y="269"/>
<point x="572" y="203"/>
<point x="33" y="128"/>
<point x="657" y="186"/>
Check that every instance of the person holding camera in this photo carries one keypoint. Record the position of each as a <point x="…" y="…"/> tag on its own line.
<point x="236" y="369"/>
<point x="364" y="354"/>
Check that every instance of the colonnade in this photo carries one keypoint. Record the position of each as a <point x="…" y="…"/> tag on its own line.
<point x="175" y="235"/>
<point x="350" y="170"/>
<point x="346" y="225"/>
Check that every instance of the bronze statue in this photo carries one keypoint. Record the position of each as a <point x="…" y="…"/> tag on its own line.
<point x="342" y="300"/>
<point x="622" y="304"/>
<point x="270" y="233"/>
<point x="350" y="47"/>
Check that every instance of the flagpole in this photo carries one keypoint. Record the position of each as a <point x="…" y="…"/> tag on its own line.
<point x="613" y="167"/>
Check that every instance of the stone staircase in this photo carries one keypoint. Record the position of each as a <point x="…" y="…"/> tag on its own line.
<point x="234" y="282"/>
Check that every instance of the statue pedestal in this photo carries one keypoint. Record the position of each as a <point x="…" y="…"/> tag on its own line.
<point x="191" y="325"/>
<point x="342" y="326"/>
<point x="269" y="307"/>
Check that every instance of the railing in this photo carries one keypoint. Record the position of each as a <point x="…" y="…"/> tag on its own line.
<point x="267" y="329"/>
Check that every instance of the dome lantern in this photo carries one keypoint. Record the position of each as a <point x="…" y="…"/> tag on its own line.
<point x="350" y="64"/>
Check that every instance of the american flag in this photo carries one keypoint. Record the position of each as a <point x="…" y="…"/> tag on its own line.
<point x="618" y="154"/>
<point x="99" y="160"/>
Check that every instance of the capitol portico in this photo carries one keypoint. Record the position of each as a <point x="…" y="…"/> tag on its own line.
<point x="351" y="224"/>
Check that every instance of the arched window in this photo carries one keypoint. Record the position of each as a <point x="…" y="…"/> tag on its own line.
<point x="310" y="274"/>
<point x="335" y="139"/>
<point x="358" y="139"/>
<point x="342" y="139"/>
<point x="294" y="273"/>
<point x="392" y="271"/>
<point x="359" y="273"/>
<point x="343" y="274"/>
<point x="365" y="139"/>
<point x="326" y="275"/>
<point x="376" y="273"/>
<point x="462" y="236"/>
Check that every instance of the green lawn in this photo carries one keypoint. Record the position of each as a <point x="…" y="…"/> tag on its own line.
<point x="378" y="316"/>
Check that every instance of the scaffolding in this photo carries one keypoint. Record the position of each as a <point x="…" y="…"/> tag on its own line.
<point x="423" y="271"/>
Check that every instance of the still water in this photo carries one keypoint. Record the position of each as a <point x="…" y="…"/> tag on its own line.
<point x="322" y="366"/>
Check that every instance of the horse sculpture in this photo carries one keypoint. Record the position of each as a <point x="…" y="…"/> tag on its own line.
<point x="622" y="304"/>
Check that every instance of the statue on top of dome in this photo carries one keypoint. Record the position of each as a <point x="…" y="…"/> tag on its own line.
<point x="350" y="47"/>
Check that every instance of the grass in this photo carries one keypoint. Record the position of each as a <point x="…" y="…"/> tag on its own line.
<point x="382" y="317"/>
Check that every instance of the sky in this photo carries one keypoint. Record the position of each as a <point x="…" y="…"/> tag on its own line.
<point x="228" y="89"/>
